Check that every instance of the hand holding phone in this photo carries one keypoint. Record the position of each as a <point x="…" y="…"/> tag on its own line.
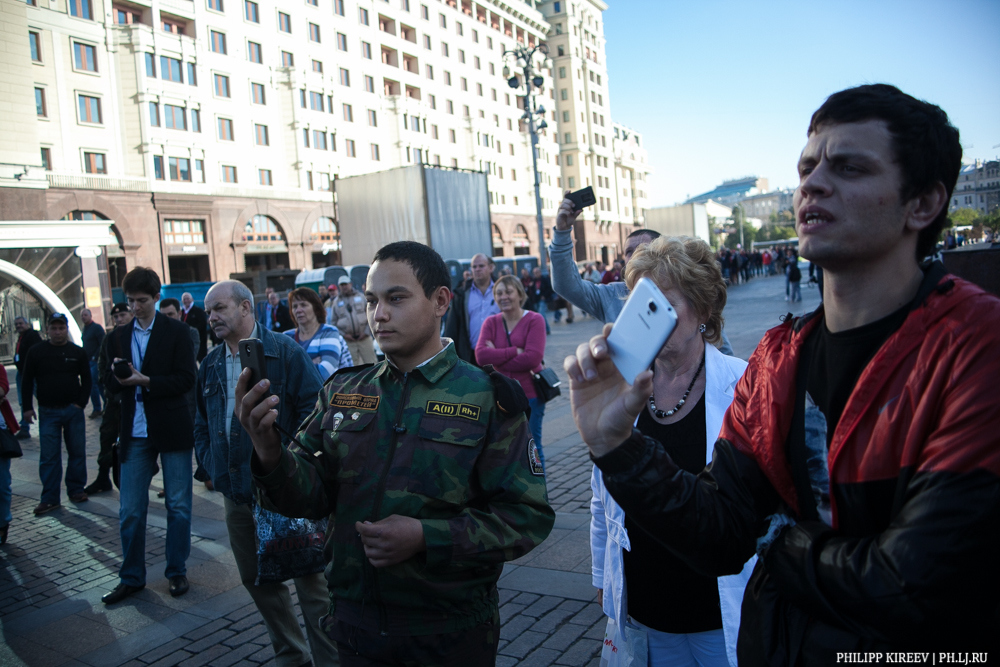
<point x="582" y="198"/>
<point x="641" y="330"/>
<point x="252" y="357"/>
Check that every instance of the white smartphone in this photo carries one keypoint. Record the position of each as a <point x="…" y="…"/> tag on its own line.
<point x="641" y="330"/>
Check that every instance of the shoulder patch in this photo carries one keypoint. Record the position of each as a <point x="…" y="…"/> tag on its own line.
<point x="354" y="401"/>
<point x="534" y="460"/>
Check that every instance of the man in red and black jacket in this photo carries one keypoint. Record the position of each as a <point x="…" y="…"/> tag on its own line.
<point x="861" y="455"/>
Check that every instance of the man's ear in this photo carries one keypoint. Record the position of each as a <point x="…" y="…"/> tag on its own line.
<point x="924" y="208"/>
<point x="441" y="298"/>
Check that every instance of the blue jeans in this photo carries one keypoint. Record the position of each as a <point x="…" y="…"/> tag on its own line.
<point x="137" y="473"/>
<point x="5" y="495"/>
<point x="543" y="310"/>
<point x="56" y="425"/>
<point x="693" y="649"/>
<point x="537" y="406"/>
<point x="96" y="395"/>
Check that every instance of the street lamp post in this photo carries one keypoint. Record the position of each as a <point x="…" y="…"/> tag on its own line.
<point x="523" y="58"/>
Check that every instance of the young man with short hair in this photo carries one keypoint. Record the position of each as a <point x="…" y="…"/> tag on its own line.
<point x="426" y="469"/>
<point x="155" y="421"/>
<point x="859" y="455"/>
<point x="62" y="372"/>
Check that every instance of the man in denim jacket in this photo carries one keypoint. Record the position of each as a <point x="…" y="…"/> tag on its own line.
<point x="225" y="449"/>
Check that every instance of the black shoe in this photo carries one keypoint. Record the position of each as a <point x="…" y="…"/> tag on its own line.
<point x="23" y="434"/>
<point x="3" y="534"/>
<point x="121" y="592"/>
<point x="178" y="586"/>
<point x="101" y="485"/>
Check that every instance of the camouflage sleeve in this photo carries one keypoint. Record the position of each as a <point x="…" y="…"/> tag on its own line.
<point x="304" y="483"/>
<point x="512" y="516"/>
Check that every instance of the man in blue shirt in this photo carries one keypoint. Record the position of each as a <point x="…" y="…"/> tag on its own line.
<point x="470" y="308"/>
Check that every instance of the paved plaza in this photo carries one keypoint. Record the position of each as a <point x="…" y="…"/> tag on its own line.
<point x="55" y="568"/>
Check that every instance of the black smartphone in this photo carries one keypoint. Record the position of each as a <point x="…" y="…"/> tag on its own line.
<point x="252" y="357"/>
<point x="121" y="369"/>
<point x="582" y="198"/>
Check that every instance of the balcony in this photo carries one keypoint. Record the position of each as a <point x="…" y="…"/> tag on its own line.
<point x="386" y="24"/>
<point x="390" y="57"/>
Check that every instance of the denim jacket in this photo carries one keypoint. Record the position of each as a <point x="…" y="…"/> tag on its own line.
<point x="294" y="379"/>
<point x="607" y="526"/>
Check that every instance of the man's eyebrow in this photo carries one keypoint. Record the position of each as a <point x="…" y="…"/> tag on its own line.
<point x="396" y="289"/>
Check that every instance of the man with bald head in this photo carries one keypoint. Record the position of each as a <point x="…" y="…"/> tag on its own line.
<point x="224" y="448"/>
<point x="195" y="318"/>
<point x="471" y="307"/>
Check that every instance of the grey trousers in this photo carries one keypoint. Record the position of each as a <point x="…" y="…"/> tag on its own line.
<point x="275" y="602"/>
<point x="362" y="351"/>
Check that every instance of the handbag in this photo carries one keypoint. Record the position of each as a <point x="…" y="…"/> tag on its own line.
<point x="287" y="548"/>
<point x="545" y="380"/>
<point x="628" y="648"/>
<point x="10" y="448"/>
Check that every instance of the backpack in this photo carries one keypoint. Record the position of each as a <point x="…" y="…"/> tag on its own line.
<point x="794" y="274"/>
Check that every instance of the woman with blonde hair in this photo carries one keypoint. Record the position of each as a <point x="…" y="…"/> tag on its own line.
<point x="513" y="340"/>
<point x="682" y="616"/>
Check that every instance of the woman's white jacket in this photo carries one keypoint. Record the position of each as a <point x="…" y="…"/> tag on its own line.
<point x="607" y="526"/>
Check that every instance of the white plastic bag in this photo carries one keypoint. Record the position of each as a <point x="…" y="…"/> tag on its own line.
<point x="628" y="648"/>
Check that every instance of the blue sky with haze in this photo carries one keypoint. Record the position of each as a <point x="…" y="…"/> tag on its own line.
<point x="722" y="90"/>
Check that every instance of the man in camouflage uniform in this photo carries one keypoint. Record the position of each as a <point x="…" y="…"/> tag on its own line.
<point x="425" y="466"/>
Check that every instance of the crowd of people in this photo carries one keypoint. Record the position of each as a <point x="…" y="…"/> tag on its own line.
<point x="836" y="493"/>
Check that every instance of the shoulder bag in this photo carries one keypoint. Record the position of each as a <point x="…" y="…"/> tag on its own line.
<point x="546" y="381"/>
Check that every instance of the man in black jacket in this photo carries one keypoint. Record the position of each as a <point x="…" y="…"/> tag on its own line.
<point x="27" y="338"/>
<point x="195" y="318"/>
<point x="155" y="422"/>
<point x="62" y="371"/>
<point x="111" y="419"/>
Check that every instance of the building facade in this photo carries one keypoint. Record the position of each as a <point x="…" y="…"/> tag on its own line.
<point x="211" y="132"/>
<point x="978" y="187"/>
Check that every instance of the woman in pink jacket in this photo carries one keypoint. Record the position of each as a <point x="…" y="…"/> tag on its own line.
<point x="513" y="341"/>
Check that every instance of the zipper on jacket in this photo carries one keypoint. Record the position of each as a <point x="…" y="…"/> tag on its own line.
<point x="380" y="493"/>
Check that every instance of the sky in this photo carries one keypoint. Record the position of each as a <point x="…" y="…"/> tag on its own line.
<point x="721" y="90"/>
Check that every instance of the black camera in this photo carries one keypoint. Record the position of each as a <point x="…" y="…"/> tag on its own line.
<point x="121" y="369"/>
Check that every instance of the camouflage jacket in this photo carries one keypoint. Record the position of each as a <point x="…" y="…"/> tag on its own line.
<point x="430" y="444"/>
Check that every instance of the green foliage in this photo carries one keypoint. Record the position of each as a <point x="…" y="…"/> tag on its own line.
<point x="749" y="236"/>
<point x="962" y="217"/>
<point x="775" y="233"/>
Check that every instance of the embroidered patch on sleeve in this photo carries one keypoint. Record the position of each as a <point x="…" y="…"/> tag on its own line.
<point x="534" y="460"/>
<point x="453" y="410"/>
<point x="354" y="401"/>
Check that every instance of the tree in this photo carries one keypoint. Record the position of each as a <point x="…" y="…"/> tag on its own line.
<point x="962" y="217"/>
<point x="749" y="234"/>
<point x="775" y="233"/>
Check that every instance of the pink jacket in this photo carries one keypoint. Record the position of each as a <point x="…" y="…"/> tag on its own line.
<point x="528" y="334"/>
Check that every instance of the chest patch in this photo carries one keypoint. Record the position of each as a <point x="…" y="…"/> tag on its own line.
<point x="453" y="410"/>
<point x="354" y="401"/>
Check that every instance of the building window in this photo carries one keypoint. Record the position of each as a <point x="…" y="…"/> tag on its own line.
<point x="372" y="118"/>
<point x="228" y="174"/>
<point x="172" y="27"/>
<point x="284" y="22"/>
<point x="450" y="106"/>
<point x="254" y="53"/>
<point x="222" y="85"/>
<point x="366" y="50"/>
<point x="154" y="114"/>
<point x="40" y="109"/>
<point x="81" y="9"/>
<point x="348" y="113"/>
<point x="369" y="84"/>
<point x="452" y="136"/>
<point x="349" y="148"/>
<point x="257" y="93"/>
<point x="461" y="56"/>
<point x="444" y="49"/>
<point x="427" y="42"/>
<point x="183" y="232"/>
<point x="260" y="135"/>
<point x="375" y="154"/>
<point x="338" y="7"/>
<point x="251" y="13"/>
<point x="362" y="16"/>
<point x="216" y="5"/>
<point x="345" y="77"/>
<point x="341" y="41"/>
<point x="180" y="169"/>
<point x="125" y="16"/>
<point x="46" y="159"/>
<point x="195" y="120"/>
<point x="225" y="129"/>
<point x="313" y="33"/>
<point x="287" y="59"/>
<point x="95" y="163"/>
<point x="192" y="78"/>
<point x="314" y="3"/>
<point x="265" y="176"/>
<point x="425" y="13"/>
<point x="36" y="47"/>
<point x="316" y="101"/>
<point x="174" y="117"/>
<point x="90" y="109"/>
<point x="433" y="101"/>
<point x="443" y="20"/>
<point x="434" y="131"/>
<point x="319" y="140"/>
<point x="317" y="66"/>
<point x="217" y="41"/>
<point x="158" y="167"/>
<point x="170" y="69"/>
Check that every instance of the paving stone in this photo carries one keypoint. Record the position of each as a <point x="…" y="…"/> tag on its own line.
<point x="235" y="655"/>
<point x="526" y="598"/>
<point x="509" y="610"/>
<point x="205" y="656"/>
<point x="597" y="631"/>
<point x="248" y="635"/>
<point x="580" y="653"/>
<point x="588" y="615"/>
<point x="562" y="638"/>
<point x="172" y="660"/>
<point x="506" y="661"/>
<point x="515" y="627"/>
<point x="525" y="643"/>
<point x="539" y="658"/>
<point x="164" y="650"/>
<point x="206" y="629"/>
<point x="217" y="637"/>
